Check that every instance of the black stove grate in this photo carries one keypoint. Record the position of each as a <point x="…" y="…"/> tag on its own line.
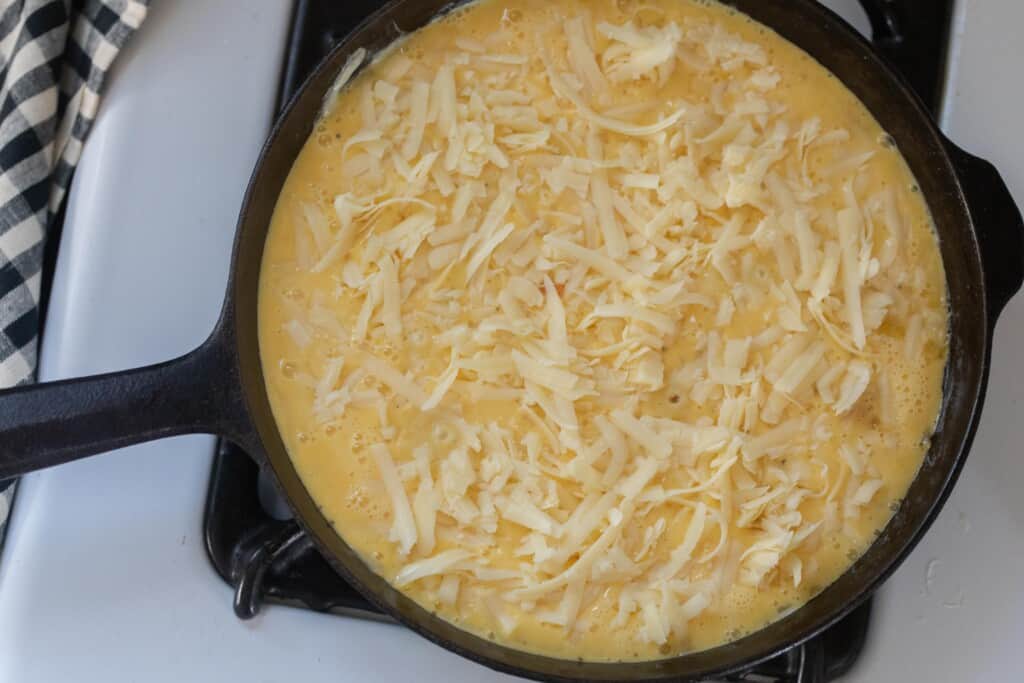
<point x="264" y="555"/>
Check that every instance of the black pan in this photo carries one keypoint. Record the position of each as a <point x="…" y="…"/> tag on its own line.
<point x="219" y="387"/>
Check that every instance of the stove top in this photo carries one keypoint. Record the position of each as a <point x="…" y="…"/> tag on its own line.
<point x="266" y="557"/>
<point x="105" y="575"/>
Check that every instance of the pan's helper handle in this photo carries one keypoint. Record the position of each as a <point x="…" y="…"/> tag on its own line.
<point x="47" y="424"/>
<point x="998" y="224"/>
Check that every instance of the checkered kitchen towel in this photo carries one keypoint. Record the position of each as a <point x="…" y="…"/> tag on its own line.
<point x="54" y="55"/>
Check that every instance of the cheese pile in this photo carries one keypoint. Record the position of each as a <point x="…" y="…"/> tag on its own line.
<point x="652" y="311"/>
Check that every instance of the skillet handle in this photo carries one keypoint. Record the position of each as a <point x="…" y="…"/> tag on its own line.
<point x="998" y="225"/>
<point x="48" y="424"/>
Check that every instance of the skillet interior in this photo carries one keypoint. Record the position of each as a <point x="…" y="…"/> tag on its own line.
<point x="847" y="55"/>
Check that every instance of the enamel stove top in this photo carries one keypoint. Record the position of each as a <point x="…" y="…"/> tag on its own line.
<point x="106" y="574"/>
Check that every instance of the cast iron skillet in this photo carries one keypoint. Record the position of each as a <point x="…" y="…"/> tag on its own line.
<point x="219" y="387"/>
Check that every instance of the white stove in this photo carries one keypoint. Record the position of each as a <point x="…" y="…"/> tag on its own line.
<point x="104" y="576"/>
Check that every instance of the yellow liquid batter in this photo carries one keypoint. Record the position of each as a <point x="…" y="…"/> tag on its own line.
<point x="836" y="473"/>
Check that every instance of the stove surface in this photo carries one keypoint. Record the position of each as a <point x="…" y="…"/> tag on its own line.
<point x="104" y="576"/>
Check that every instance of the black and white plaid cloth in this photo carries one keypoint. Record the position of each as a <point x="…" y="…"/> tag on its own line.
<point x="54" y="55"/>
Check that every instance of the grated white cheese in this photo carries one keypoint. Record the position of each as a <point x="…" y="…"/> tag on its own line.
<point x="403" y="530"/>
